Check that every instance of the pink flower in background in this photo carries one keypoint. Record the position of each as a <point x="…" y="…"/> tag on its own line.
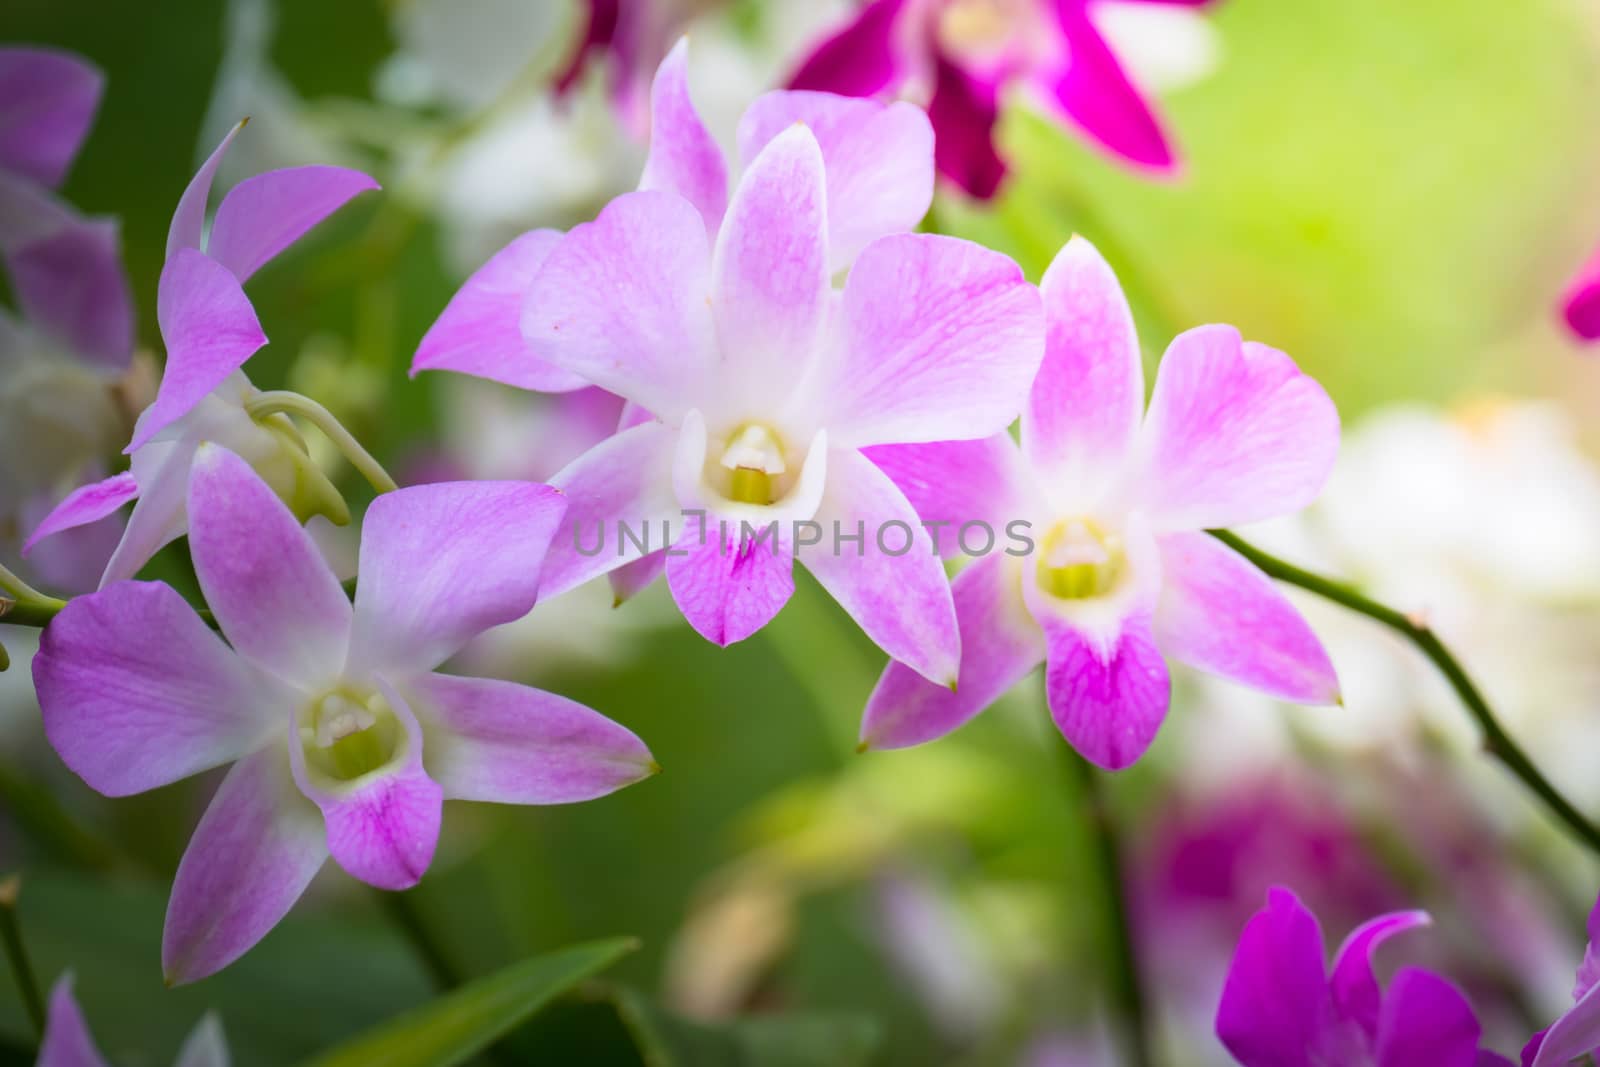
<point x="1282" y="1007"/>
<point x="1576" y="1033"/>
<point x="1120" y="575"/>
<point x="344" y="739"/>
<point x="1581" y="307"/>
<point x="961" y="56"/>
<point x="68" y="1042"/>
<point x="210" y="329"/>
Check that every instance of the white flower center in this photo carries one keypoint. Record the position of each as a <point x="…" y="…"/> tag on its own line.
<point x="753" y="463"/>
<point x="346" y="734"/>
<point x="1080" y="560"/>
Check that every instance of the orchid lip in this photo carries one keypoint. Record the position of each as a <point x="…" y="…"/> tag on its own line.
<point x="1080" y="560"/>
<point x="347" y="733"/>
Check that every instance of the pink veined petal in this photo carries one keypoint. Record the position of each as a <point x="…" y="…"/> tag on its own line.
<point x="1108" y="692"/>
<point x="1356" y="995"/>
<point x="72" y="284"/>
<point x="1573" y="1034"/>
<point x="73" y="560"/>
<point x="67" y="1040"/>
<point x="863" y="58"/>
<point x="50" y="98"/>
<point x="271" y="590"/>
<point x="1425" y="1019"/>
<point x="684" y="159"/>
<point x="442" y="563"/>
<point x="511" y="744"/>
<point x="877" y="159"/>
<point x="210" y="330"/>
<point x="205" y="1046"/>
<point x="480" y="330"/>
<point x="895" y="587"/>
<point x="266" y="213"/>
<point x="86" y="504"/>
<point x="729" y="585"/>
<point x="1095" y="93"/>
<point x="621" y="303"/>
<point x="1000" y="644"/>
<point x="624" y="479"/>
<point x="1235" y="434"/>
<point x="160" y="514"/>
<point x="1083" y="413"/>
<point x="1219" y="613"/>
<point x="1581" y="304"/>
<point x="964" y="111"/>
<point x="384" y="826"/>
<point x="770" y="287"/>
<point x="1275" y="1005"/>
<point x="136" y="692"/>
<point x="953" y="483"/>
<point x="256" y="849"/>
<point x="189" y="218"/>
<point x="631" y="579"/>
<point x="941" y="340"/>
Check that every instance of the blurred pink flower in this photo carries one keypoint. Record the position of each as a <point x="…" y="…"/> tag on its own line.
<point x="68" y="1042"/>
<point x="1581" y="306"/>
<point x="1577" y="1032"/>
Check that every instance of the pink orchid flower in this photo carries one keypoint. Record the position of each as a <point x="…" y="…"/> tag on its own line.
<point x="1577" y="1032"/>
<point x="344" y="739"/>
<point x="960" y="56"/>
<point x="210" y="329"/>
<point x="1116" y="573"/>
<point x="68" y="1042"/>
<point x="1581" y="306"/>
<point x="718" y="316"/>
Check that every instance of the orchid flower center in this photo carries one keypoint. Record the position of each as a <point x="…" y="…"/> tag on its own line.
<point x="754" y="464"/>
<point x="1080" y="560"/>
<point x="985" y="29"/>
<point x="346" y="734"/>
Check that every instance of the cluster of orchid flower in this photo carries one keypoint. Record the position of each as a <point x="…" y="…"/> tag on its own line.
<point x="788" y="352"/>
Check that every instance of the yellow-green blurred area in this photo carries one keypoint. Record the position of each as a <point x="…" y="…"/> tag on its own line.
<point x="1393" y="193"/>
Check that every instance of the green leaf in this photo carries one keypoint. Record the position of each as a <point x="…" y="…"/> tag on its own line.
<point x="792" y="1040"/>
<point x="459" y="1025"/>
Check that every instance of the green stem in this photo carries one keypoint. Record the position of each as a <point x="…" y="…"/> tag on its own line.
<point x="291" y="403"/>
<point x="23" y="605"/>
<point x="402" y="911"/>
<point x="17" y="953"/>
<point x="1496" y="741"/>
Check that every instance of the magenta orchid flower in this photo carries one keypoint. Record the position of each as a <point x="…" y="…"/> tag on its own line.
<point x="210" y="329"/>
<point x="68" y="1042"/>
<point x="1111" y="572"/>
<point x="344" y="739"/>
<point x="1577" y="1032"/>
<point x="1281" y="1007"/>
<point x="1581" y="306"/>
<point x="960" y="57"/>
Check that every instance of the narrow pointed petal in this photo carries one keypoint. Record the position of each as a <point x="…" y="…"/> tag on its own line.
<point x="505" y="743"/>
<point x="1000" y="645"/>
<point x="729" y="586"/>
<point x="50" y="100"/>
<point x="210" y="330"/>
<point x="1425" y="1019"/>
<point x="1235" y="434"/>
<point x="160" y="513"/>
<point x="72" y="284"/>
<point x="136" y="692"/>
<point x="1108" y="691"/>
<point x="67" y="1040"/>
<point x="442" y="563"/>
<point x="1095" y="93"/>
<point x="942" y="339"/>
<point x="1574" y="1034"/>
<point x="86" y="504"/>
<point x="621" y="303"/>
<point x="1275" y="1003"/>
<point x="1084" y="410"/>
<point x="1220" y="614"/>
<point x="877" y="159"/>
<point x="631" y="579"/>
<point x="964" y="111"/>
<point x="266" y="213"/>
<point x="953" y="483"/>
<point x="1355" y="987"/>
<point x="271" y="590"/>
<point x="900" y="599"/>
<point x="189" y="219"/>
<point x="256" y="849"/>
<point x="684" y="159"/>
<point x="480" y="331"/>
<point x="863" y="58"/>
<point x="770" y="277"/>
<point x="205" y="1046"/>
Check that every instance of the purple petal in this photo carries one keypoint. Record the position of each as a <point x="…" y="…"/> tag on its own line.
<point x="270" y="588"/>
<point x="1096" y="94"/>
<point x="1356" y="995"/>
<point x="160" y="514"/>
<point x="863" y="58"/>
<point x="877" y="159"/>
<point x="67" y="1040"/>
<point x="1220" y="614"/>
<point x="683" y="157"/>
<point x="50" y="98"/>
<point x="953" y="483"/>
<point x="189" y="218"/>
<point x="942" y="339"/>
<point x="1581" y="305"/>
<point x="136" y="692"/>
<point x="480" y="331"/>
<point x="1084" y="410"/>
<point x="1108" y="691"/>
<point x="1235" y="434"/>
<point x="256" y="849"/>
<point x="510" y="744"/>
<point x="964" y="111"/>
<point x="631" y="579"/>
<point x="86" y="504"/>
<point x="1425" y="1019"/>
<point x="1000" y="644"/>
<point x="1574" y="1034"/>
<point x="264" y="214"/>
<point x="621" y="303"/>
<point x="727" y="585"/>
<point x="209" y="329"/>
<point x="72" y="284"/>
<point x="895" y="587"/>
<point x="1276" y="1007"/>
<point x="442" y="563"/>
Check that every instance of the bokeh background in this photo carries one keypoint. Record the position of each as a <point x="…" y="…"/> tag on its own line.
<point x="1393" y="193"/>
